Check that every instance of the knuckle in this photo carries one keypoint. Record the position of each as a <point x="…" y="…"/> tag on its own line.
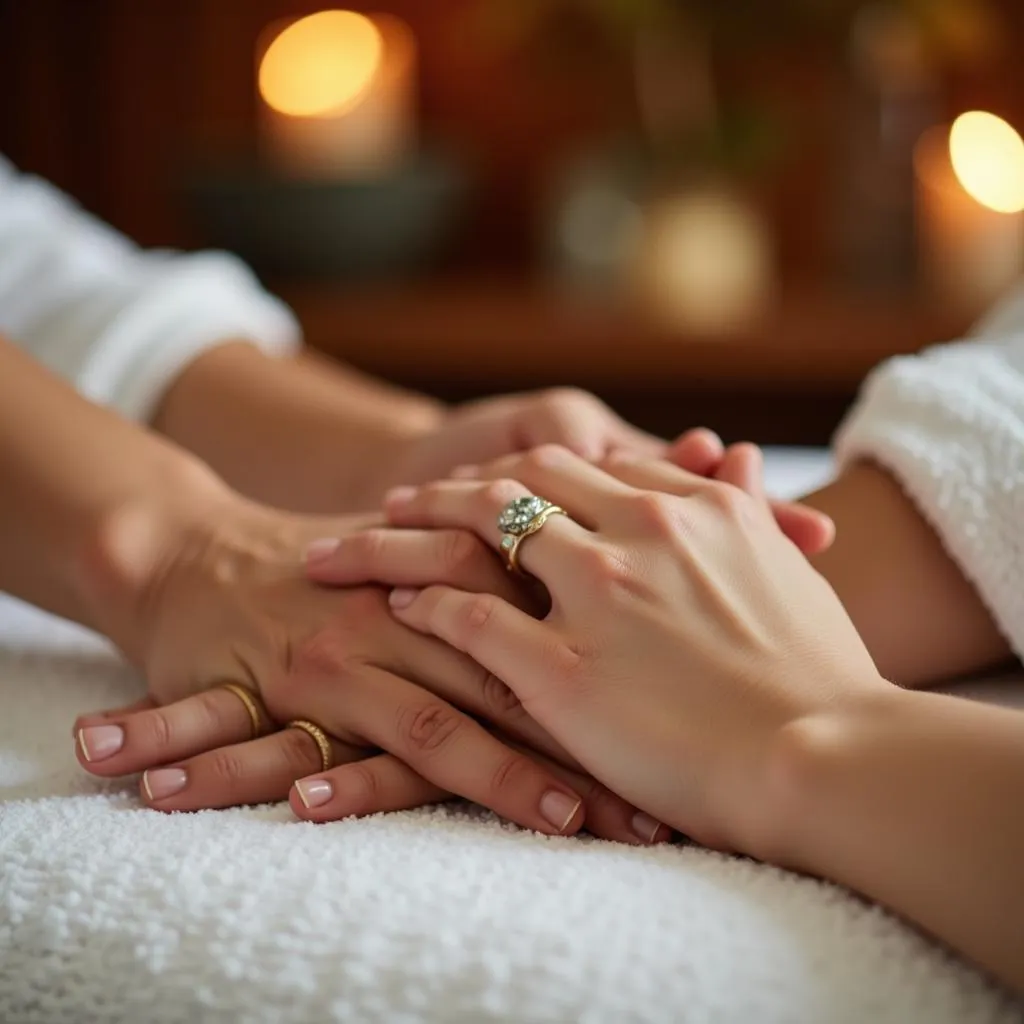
<point x="498" y="493"/>
<point x="299" y="753"/>
<point x="602" y="802"/>
<point x="729" y="501"/>
<point x="476" y="613"/>
<point x="547" y="456"/>
<point x="457" y="550"/>
<point x="657" y="512"/>
<point x="325" y="652"/>
<point x="210" y="709"/>
<point x="158" y="730"/>
<point x="511" y="774"/>
<point x="226" y="766"/>
<point x="428" y="728"/>
<point x="362" y="788"/>
<point x="607" y="568"/>
<point x="369" y="546"/>
<point x="566" y="662"/>
<point x="499" y="699"/>
<point x="568" y="398"/>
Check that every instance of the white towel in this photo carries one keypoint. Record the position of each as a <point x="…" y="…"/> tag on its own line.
<point x="111" y="912"/>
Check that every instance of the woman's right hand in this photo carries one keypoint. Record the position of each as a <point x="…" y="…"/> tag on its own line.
<point x="230" y="603"/>
<point x="686" y="632"/>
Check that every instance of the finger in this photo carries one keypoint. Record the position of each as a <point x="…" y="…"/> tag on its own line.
<point x="560" y="476"/>
<point x="655" y="475"/>
<point x="442" y="670"/>
<point x="743" y="467"/>
<point x="95" y="717"/>
<point x="607" y="815"/>
<point x="476" y="506"/>
<point x="381" y="784"/>
<point x="451" y="750"/>
<point x="134" y="740"/>
<point x="415" y="558"/>
<point x="811" y="531"/>
<point x="374" y="785"/>
<point x="257" y="772"/>
<point x="526" y="654"/>
<point x="697" y="451"/>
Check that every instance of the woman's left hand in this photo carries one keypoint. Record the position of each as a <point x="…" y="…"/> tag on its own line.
<point x="686" y="632"/>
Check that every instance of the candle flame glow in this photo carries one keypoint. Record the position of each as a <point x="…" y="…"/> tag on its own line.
<point x="321" y="64"/>
<point x="988" y="158"/>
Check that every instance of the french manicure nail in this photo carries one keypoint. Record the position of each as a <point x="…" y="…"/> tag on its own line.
<point x="559" y="808"/>
<point x="399" y="495"/>
<point x="401" y="598"/>
<point x="98" y="742"/>
<point x="164" y="782"/>
<point x="314" y="792"/>
<point x="322" y="549"/>
<point x="645" y="827"/>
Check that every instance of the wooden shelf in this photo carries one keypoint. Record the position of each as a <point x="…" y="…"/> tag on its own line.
<point x="508" y="335"/>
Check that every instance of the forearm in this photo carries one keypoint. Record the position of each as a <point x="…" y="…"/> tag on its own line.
<point x="913" y="799"/>
<point x="299" y="433"/>
<point x="921" y="619"/>
<point x="71" y="473"/>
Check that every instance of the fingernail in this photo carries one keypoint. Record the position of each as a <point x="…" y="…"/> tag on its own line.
<point x="401" y="598"/>
<point x="559" y="808"/>
<point x="322" y="549"/>
<point x="465" y="472"/>
<point x="164" y="782"/>
<point x="399" y="495"/>
<point x="314" y="792"/>
<point x="98" y="742"/>
<point x="645" y="827"/>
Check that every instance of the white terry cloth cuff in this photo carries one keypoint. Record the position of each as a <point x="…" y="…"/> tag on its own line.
<point x="949" y="426"/>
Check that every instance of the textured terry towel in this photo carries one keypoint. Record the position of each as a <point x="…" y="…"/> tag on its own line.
<point x="111" y="912"/>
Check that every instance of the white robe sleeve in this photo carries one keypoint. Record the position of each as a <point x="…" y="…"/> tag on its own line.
<point x="949" y="425"/>
<point x="118" y="322"/>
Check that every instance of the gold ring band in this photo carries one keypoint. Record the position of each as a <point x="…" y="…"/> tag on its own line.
<point x="511" y="541"/>
<point x="249" y="700"/>
<point x="319" y="738"/>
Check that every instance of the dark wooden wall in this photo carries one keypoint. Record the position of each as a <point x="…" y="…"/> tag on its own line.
<point x="114" y="99"/>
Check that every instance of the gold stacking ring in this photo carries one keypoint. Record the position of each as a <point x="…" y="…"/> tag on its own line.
<point x="247" y="697"/>
<point x="521" y="519"/>
<point x="319" y="738"/>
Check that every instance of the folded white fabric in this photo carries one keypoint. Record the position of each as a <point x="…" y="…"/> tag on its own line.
<point x="110" y="912"/>
<point x="118" y="322"/>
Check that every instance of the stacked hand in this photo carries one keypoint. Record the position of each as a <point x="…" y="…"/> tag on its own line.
<point x="404" y="711"/>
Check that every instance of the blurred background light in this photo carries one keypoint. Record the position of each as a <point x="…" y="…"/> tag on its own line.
<point x="988" y="157"/>
<point x="321" y="64"/>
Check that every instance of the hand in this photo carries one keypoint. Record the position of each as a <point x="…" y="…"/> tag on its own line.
<point x="700" y="451"/>
<point x="230" y="604"/>
<point x="484" y="430"/>
<point x="686" y="634"/>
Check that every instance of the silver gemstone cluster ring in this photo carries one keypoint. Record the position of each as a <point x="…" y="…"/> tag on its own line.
<point x="520" y="519"/>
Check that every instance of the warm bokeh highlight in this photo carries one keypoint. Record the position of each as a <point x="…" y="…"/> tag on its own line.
<point x="321" y="64"/>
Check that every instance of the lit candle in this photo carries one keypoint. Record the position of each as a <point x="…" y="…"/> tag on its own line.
<point x="970" y="198"/>
<point x="338" y="92"/>
<point x="706" y="262"/>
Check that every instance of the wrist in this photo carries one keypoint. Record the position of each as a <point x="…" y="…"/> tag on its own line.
<point x="127" y="547"/>
<point x="813" y="763"/>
